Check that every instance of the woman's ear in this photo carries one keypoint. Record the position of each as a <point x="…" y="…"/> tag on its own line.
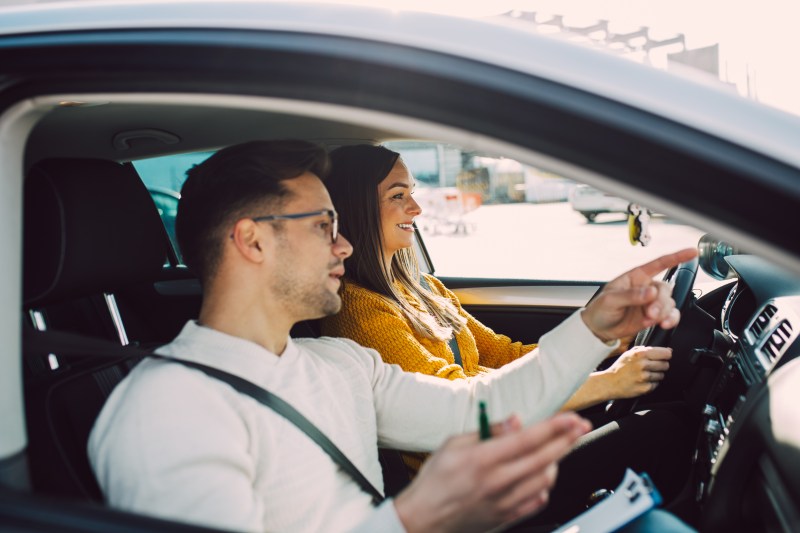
<point x="248" y="239"/>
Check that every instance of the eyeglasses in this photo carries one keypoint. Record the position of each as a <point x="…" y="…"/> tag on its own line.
<point x="332" y="215"/>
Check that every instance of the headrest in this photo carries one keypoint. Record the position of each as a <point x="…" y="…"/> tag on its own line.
<point x="90" y="226"/>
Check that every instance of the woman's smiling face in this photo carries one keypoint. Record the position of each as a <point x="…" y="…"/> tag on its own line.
<point x="398" y="209"/>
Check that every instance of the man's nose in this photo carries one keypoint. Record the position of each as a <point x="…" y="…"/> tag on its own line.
<point x="342" y="247"/>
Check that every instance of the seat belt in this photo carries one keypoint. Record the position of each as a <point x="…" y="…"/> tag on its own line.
<point x="452" y="342"/>
<point x="63" y="343"/>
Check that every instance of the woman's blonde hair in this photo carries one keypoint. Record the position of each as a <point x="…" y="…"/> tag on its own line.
<point x="353" y="185"/>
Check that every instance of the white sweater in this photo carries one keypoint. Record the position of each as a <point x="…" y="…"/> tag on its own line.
<point x="175" y="443"/>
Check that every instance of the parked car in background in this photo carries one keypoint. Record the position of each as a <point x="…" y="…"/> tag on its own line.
<point x="591" y="202"/>
<point x="180" y="79"/>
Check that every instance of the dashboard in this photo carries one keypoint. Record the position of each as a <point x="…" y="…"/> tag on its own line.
<point x="743" y="454"/>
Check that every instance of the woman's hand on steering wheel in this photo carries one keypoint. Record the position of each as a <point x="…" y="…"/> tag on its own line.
<point x="637" y="371"/>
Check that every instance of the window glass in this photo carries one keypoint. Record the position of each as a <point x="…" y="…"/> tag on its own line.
<point x="493" y="217"/>
<point x="164" y="177"/>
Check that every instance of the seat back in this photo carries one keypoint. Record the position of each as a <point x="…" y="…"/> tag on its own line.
<point x="90" y="229"/>
<point x="63" y="405"/>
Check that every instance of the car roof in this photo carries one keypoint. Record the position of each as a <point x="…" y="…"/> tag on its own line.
<point x="705" y="106"/>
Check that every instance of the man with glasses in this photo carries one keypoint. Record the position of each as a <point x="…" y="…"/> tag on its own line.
<point x="256" y="225"/>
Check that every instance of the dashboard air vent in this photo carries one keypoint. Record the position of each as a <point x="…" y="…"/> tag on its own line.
<point x="775" y="345"/>
<point x="762" y="320"/>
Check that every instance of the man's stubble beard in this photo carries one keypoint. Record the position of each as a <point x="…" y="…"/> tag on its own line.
<point x="305" y="299"/>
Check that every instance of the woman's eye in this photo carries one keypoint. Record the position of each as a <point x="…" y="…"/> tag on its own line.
<point x="398" y="196"/>
<point x="323" y="225"/>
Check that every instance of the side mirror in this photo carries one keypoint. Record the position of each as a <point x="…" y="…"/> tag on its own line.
<point x="712" y="254"/>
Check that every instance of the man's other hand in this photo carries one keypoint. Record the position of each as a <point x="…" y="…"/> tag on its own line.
<point x="474" y="485"/>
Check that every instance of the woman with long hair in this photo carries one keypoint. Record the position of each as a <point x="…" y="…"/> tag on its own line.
<point x="414" y="321"/>
<point x="388" y="303"/>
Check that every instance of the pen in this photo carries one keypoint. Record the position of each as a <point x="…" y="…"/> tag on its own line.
<point x="483" y="421"/>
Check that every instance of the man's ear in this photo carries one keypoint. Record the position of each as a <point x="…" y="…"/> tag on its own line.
<point x="248" y="238"/>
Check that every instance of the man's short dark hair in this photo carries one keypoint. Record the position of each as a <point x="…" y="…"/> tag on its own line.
<point x="231" y="185"/>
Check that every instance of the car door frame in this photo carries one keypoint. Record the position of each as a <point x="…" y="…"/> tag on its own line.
<point x="587" y="129"/>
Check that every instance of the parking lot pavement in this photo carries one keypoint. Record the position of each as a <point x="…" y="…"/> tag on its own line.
<point x="549" y="241"/>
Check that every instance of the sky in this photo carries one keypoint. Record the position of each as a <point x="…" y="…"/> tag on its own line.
<point x="756" y="39"/>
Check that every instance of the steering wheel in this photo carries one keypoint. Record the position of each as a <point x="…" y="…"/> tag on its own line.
<point x="681" y="278"/>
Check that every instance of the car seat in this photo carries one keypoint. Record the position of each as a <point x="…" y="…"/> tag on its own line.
<point x="90" y="228"/>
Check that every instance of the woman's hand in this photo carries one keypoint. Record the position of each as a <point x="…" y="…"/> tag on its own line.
<point x="636" y="372"/>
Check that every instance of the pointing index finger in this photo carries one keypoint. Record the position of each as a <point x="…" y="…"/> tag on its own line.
<point x="667" y="261"/>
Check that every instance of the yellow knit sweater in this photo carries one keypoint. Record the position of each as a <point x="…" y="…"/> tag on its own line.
<point x="373" y="321"/>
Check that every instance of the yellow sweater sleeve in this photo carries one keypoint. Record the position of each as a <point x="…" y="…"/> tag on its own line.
<point x="494" y="350"/>
<point x="374" y="322"/>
